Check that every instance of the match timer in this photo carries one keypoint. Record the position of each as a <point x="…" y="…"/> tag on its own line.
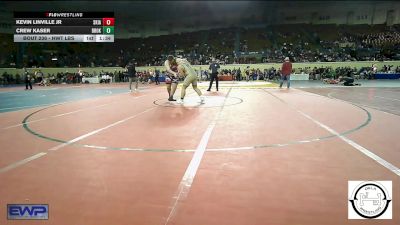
<point x="64" y="27"/>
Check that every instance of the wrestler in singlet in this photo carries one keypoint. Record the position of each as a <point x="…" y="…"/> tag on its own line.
<point x="171" y="78"/>
<point x="186" y="70"/>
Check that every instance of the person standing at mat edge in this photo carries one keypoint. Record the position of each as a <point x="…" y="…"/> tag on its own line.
<point x="132" y="75"/>
<point x="214" y="67"/>
<point x="28" y="79"/>
<point x="286" y="71"/>
<point x="157" y="77"/>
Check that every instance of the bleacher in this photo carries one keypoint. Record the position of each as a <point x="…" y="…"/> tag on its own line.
<point x="302" y="42"/>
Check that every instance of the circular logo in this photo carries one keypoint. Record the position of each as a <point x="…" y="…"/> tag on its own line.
<point x="370" y="199"/>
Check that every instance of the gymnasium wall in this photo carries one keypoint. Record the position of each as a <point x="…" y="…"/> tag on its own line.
<point x="261" y="66"/>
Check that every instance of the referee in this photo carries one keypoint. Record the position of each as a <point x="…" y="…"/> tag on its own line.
<point x="131" y="70"/>
<point x="214" y="67"/>
<point x="28" y="79"/>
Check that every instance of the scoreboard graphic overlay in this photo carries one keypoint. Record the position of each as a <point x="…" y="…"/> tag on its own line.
<point x="64" y="26"/>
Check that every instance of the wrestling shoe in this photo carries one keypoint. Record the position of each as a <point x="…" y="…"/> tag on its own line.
<point x="202" y="99"/>
<point x="180" y="101"/>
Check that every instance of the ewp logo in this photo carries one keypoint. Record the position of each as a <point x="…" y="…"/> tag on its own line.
<point x="28" y="212"/>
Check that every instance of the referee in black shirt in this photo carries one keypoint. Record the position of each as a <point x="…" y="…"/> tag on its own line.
<point x="28" y="78"/>
<point x="131" y="70"/>
<point x="214" y="67"/>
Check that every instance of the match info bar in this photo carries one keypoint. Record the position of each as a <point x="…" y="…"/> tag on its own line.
<point x="64" y="27"/>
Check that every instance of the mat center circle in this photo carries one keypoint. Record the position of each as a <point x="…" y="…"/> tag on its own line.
<point x="194" y="101"/>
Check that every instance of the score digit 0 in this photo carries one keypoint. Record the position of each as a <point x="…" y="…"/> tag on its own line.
<point x="108" y="30"/>
<point x="108" y="21"/>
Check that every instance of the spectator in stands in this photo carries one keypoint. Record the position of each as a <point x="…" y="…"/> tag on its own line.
<point x="247" y="72"/>
<point x="286" y="71"/>
<point x="39" y="76"/>
<point x="238" y="75"/>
